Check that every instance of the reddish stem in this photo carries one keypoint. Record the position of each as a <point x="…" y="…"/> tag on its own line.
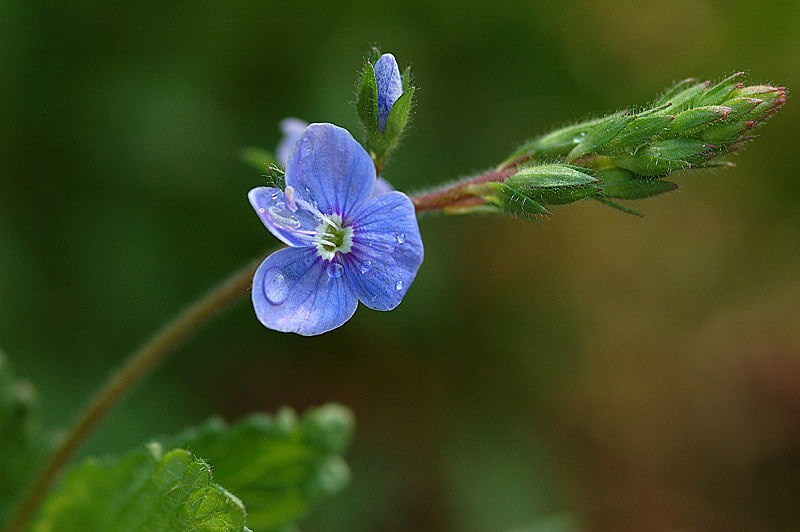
<point x="456" y="195"/>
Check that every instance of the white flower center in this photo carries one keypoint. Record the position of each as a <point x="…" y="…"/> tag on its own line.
<point x="332" y="237"/>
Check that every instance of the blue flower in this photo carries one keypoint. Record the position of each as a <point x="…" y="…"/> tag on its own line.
<point x="344" y="246"/>
<point x="292" y="129"/>
<point x="390" y="87"/>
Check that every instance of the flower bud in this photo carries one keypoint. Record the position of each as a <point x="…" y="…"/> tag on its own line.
<point x="384" y="103"/>
<point x="665" y="156"/>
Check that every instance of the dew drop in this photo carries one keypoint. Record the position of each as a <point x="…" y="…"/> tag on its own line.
<point x="398" y="285"/>
<point x="366" y="266"/>
<point x="335" y="270"/>
<point x="262" y="209"/>
<point x="275" y="286"/>
<point x="282" y="217"/>
<point x="579" y="137"/>
<point x="401" y="237"/>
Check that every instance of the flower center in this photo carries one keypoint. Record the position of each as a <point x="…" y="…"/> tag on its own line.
<point x="332" y="237"/>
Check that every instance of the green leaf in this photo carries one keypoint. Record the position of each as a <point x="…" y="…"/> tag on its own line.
<point x="146" y="491"/>
<point x="367" y="104"/>
<point x="617" y="206"/>
<point x="280" y="467"/>
<point x="621" y="184"/>
<point x="22" y="443"/>
<point x="258" y="158"/>
<point x="398" y="116"/>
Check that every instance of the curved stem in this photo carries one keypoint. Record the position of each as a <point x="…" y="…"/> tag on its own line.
<point x="137" y="366"/>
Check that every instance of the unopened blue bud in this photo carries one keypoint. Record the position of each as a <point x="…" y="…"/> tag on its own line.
<point x="390" y="87"/>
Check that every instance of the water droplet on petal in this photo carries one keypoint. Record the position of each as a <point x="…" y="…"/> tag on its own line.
<point x="283" y="217"/>
<point x="366" y="266"/>
<point x="579" y="137"/>
<point x="401" y="237"/>
<point x="276" y="288"/>
<point x="262" y="210"/>
<point x="398" y="285"/>
<point x="335" y="270"/>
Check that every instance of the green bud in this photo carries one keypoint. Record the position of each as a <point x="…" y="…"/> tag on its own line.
<point x="771" y="100"/>
<point x="721" y="92"/>
<point x="527" y="191"/>
<point x="667" y="97"/>
<point x="550" y="176"/>
<point x="735" y="124"/>
<point x="600" y="134"/>
<point x="383" y="104"/>
<point x="691" y="121"/>
<point x="665" y="156"/>
<point x="560" y="142"/>
<point x="622" y="184"/>
<point x="636" y="133"/>
<point x="683" y="99"/>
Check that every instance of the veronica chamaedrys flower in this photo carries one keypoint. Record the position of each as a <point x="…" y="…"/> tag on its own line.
<point x="344" y="245"/>
<point x="390" y="87"/>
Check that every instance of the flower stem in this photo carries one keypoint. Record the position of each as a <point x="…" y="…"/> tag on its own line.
<point x="140" y="363"/>
<point x="457" y="194"/>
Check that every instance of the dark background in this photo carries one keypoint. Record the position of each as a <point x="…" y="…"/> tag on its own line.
<point x="596" y="372"/>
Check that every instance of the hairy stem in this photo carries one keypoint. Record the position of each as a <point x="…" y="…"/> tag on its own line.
<point x="138" y="365"/>
<point x="457" y="194"/>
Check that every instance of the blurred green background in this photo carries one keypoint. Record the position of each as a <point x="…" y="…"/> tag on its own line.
<point x="598" y="371"/>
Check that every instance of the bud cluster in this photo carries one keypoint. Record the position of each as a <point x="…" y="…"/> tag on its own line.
<point x="691" y="126"/>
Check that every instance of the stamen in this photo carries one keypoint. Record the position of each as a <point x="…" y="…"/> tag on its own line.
<point x="289" y="196"/>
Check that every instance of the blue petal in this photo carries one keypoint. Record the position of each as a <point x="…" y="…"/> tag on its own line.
<point x="293" y="292"/>
<point x="390" y="86"/>
<point x="292" y="227"/>
<point x="331" y="170"/>
<point x="386" y="253"/>
<point x="292" y="129"/>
